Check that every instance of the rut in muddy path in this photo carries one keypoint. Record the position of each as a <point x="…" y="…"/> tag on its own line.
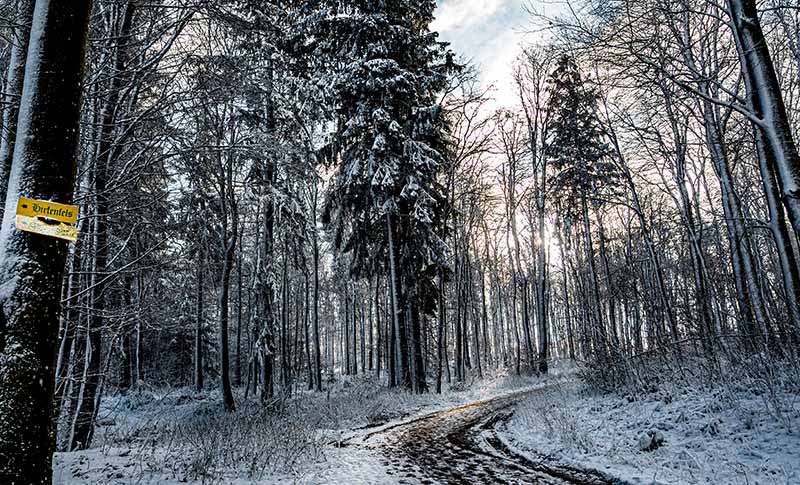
<point x="460" y="446"/>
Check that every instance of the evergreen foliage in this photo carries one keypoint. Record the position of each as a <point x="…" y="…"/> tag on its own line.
<point x="386" y="70"/>
<point x="575" y="142"/>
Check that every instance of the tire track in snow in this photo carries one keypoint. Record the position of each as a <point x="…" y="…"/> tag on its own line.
<point x="460" y="446"/>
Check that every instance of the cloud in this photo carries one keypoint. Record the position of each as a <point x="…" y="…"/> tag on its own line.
<point x="461" y="14"/>
<point x="497" y="66"/>
<point x="488" y="32"/>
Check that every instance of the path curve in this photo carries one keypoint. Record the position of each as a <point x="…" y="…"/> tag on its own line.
<point x="460" y="446"/>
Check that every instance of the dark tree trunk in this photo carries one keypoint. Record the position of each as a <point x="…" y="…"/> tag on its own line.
<point x="237" y="364"/>
<point x="379" y="336"/>
<point x="346" y="325"/>
<point x="317" y="343"/>
<point x="285" y="344"/>
<point x="459" y="349"/>
<point x="199" y="321"/>
<point x="266" y="286"/>
<point x="420" y="384"/>
<point x="224" y="311"/>
<point x="126" y="374"/>
<point x="306" y="335"/>
<point x="398" y="305"/>
<point x="32" y="266"/>
<point x="440" y="333"/>
<point x="391" y="340"/>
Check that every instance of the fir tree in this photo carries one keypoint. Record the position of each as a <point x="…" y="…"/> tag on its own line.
<point x="576" y="149"/>
<point x="385" y="70"/>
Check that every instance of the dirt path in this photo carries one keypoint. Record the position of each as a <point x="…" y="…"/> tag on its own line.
<point x="460" y="446"/>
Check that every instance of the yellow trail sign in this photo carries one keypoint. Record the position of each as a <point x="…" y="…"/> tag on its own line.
<point x="48" y="210"/>
<point x="47" y="218"/>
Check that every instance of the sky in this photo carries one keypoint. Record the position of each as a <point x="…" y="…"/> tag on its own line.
<point x="490" y="33"/>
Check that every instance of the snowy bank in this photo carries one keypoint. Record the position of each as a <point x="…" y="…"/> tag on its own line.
<point x="718" y="436"/>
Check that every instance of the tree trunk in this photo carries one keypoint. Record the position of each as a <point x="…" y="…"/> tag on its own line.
<point x="565" y="293"/>
<point x="266" y="288"/>
<point x="457" y="334"/>
<point x="83" y="424"/>
<point x="317" y="345"/>
<point x="286" y="371"/>
<point x="766" y="101"/>
<point x="126" y="373"/>
<point x="363" y="316"/>
<point x="306" y="334"/>
<point x="354" y="347"/>
<point x="237" y="365"/>
<point x="199" y="322"/>
<point x="32" y="266"/>
<point x="487" y="354"/>
<point x="398" y="310"/>
<point x="420" y="384"/>
<point x="346" y="328"/>
<point x="440" y="333"/>
<point x="370" y="354"/>
<point x="378" y="328"/>
<point x="391" y="334"/>
<point x="612" y="318"/>
<point x="541" y="289"/>
<point x="475" y="321"/>
<point x="224" y="310"/>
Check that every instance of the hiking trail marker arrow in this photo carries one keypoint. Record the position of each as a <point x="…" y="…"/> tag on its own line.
<point x="48" y="218"/>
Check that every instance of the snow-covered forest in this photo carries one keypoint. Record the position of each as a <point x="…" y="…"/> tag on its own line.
<point x="313" y="245"/>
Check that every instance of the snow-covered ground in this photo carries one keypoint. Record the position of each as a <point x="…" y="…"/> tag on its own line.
<point x="723" y="436"/>
<point x="178" y="436"/>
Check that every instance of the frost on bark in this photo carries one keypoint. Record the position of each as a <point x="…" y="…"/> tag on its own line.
<point x="32" y="266"/>
<point x="779" y="160"/>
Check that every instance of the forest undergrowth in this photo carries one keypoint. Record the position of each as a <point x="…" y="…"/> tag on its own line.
<point x="671" y="420"/>
<point x="773" y="377"/>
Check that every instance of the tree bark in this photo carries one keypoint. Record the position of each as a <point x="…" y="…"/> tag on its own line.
<point x="32" y="266"/>
<point x="442" y="321"/>
<point x="398" y="310"/>
<point x="266" y="313"/>
<point x="306" y="334"/>
<point x="199" y="321"/>
<point x="237" y="366"/>
<point x="766" y="101"/>
<point x="224" y="311"/>
<point x="378" y="329"/>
